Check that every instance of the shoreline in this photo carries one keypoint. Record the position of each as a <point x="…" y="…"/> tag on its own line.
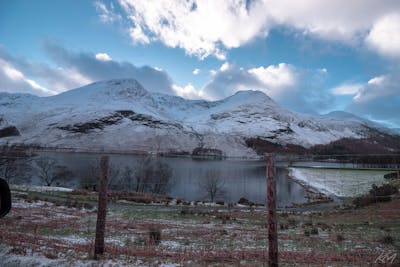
<point x="314" y="196"/>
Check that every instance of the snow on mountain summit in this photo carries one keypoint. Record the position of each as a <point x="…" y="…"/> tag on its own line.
<point x="121" y="115"/>
<point x="104" y="92"/>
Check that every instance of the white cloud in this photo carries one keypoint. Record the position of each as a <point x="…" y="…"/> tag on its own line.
<point x="283" y="82"/>
<point x="347" y="89"/>
<point x="103" y="57"/>
<point x="13" y="80"/>
<point x="384" y="36"/>
<point x="377" y="80"/>
<point x="196" y="71"/>
<point x="274" y="80"/>
<point x="11" y="72"/>
<point x="323" y="70"/>
<point x="213" y="72"/>
<point x="93" y="69"/>
<point x="106" y="15"/>
<point x="379" y="98"/>
<point x="225" y="67"/>
<point x="276" y="76"/>
<point x="209" y="28"/>
<point x="332" y="20"/>
<point x="379" y="87"/>
<point x="138" y="36"/>
<point x="188" y="91"/>
<point x="220" y="55"/>
<point x="73" y="70"/>
<point x="201" y="28"/>
<point x="376" y="87"/>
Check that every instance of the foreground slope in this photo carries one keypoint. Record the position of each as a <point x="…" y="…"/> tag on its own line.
<point x="120" y="115"/>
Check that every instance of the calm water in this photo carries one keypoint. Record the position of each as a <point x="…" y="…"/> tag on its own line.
<point x="238" y="178"/>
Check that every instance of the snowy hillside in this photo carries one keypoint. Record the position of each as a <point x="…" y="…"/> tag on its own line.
<point x="120" y="115"/>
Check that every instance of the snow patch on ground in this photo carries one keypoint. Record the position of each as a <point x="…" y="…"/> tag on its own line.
<point x="339" y="182"/>
<point x="41" y="188"/>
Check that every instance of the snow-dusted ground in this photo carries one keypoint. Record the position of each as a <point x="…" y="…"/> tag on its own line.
<point x="9" y="259"/>
<point x="166" y="123"/>
<point x="34" y="234"/>
<point x="41" y="188"/>
<point x="339" y="182"/>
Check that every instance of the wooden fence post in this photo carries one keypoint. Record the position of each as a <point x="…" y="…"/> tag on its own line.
<point x="102" y="207"/>
<point x="5" y="198"/>
<point x="272" y="220"/>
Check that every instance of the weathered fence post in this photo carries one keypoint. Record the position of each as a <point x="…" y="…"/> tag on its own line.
<point x="272" y="221"/>
<point x="102" y="207"/>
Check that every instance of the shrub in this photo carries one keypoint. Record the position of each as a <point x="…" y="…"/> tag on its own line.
<point x="154" y="236"/>
<point x="382" y="193"/>
<point x="283" y="226"/>
<point x="387" y="239"/>
<point x="245" y="201"/>
<point x="314" y="231"/>
<point x="376" y="194"/>
<point x="339" y="238"/>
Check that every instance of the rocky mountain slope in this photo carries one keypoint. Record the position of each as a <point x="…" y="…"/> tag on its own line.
<point x="120" y="115"/>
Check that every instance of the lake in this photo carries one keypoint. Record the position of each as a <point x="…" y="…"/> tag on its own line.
<point x="238" y="178"/>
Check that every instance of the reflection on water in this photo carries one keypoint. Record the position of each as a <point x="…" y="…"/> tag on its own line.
<point x="239" y="178"/>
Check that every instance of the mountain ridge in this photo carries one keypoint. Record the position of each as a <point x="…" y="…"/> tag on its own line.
<point x="121" y="115"/>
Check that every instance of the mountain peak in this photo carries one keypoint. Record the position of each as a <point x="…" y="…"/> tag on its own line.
<point x="122" y="88"/>
<point x="103" y="91"/>
<point x="251" y="95"/>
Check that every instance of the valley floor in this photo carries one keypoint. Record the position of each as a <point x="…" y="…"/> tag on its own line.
<point x="56" y="228"/>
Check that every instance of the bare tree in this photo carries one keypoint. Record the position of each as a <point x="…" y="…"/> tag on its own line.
<point x="162" y="177"/>
<point x="213" y="185"/>
<point x="143" y="173"/>
<point x="152" y="175"/>
<point x="49" y="172"/>
<point x="127" y="178"/>
<point x="14" y="164"/>
<point x="90" y="181"/>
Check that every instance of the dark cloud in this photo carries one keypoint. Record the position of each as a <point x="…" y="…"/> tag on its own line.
<point x="94" y="69"/>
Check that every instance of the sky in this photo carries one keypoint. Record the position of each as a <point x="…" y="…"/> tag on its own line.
<point x="310" y="56"/>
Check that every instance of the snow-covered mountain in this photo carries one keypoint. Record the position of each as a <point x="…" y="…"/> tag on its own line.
<point x="120" y="115"/>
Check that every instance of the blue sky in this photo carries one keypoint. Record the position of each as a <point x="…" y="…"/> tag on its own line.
<point x="308" y="55"/>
